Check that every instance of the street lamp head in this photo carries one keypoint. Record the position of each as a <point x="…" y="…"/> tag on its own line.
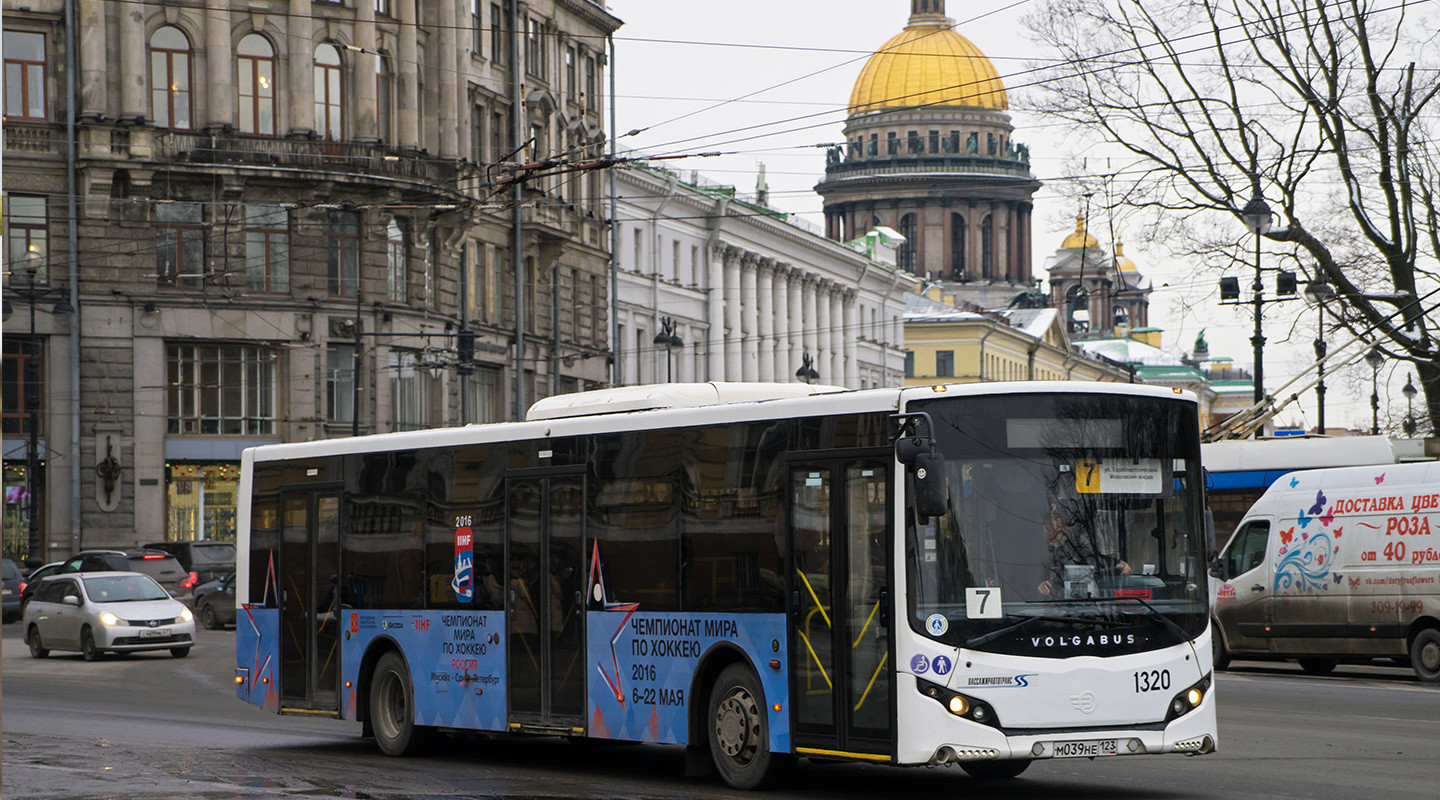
<point x="1409" y="391"/>
<point x="1318" y="291"/>
<point x="1374" y="358"/>
<point x="1256" y="215"/>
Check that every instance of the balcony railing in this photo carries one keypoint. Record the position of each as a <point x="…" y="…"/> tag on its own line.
<point x="309" y="154"/>
<point x="902" y="164"/>
<point x="34" y="139"/>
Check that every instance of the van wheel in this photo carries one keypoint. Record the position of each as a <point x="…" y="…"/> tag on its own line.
<point x="994" y="770"/>
<point x="1219" y="655"/>
<point x="87" y="645"/>
<point x="37" y="650"/>
<point x="392" y="708"/>
<point x="1425" y="655"/>
<point x="738" y="728"/>
<point x="1318" y="666"/>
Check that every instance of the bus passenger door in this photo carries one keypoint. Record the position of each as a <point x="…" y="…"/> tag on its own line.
<point x="840" y="578"/>
<point x="544" y="614"/>
<point x="309" y="614"/>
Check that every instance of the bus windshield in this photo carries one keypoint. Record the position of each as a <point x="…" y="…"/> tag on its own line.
<point x="1073" y="526"/>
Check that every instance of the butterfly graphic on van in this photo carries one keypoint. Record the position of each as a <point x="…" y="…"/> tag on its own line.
<point x="1380" y="479"/>
<point x="1302" y="519"/>
<point x="1328" y="517"/>
<point x="1319" y="503"/>
<point x="1286" y="535"/>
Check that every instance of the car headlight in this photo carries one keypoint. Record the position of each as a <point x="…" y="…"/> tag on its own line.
<point x="186" y="615"/>
<point x="109" y="619"/>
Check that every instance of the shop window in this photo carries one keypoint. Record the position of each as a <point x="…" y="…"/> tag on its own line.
<point x="221" y="389"/>
<point x="201" y="501"/>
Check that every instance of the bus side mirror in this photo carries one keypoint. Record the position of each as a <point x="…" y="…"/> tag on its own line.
<point x="932" y="488"/>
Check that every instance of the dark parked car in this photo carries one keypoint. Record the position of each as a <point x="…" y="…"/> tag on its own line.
<point x="14" y="590"/>
<point x="215" y="602"/>
<point x="204" y="560"/>
<point x="158" y="564"/>
<point x="32" y="581"/>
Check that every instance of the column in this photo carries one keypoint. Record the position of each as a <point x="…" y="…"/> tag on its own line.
<point x="301" y="67"/>
<point x="818" y="340"/>
<point x="220" y="98"/>
<point x="801" y="322"/>
<point x="93" y="66"/>
<point x="715" y="301"/>
<point x="407" y="99"/>
<point x="852" y="332"/>
<point x="449" y="95"/>
<point x="750" y="319"/>
<point x="837" y="336"/>
<point x="133" y="92"/>
<point x="765" y="303"/>
<point x="732" y="315"/>
<point x="782" y="323"/>
<point x="365" y="109"/>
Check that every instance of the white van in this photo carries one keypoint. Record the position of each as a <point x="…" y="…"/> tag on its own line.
<point x="1332" y="565"/>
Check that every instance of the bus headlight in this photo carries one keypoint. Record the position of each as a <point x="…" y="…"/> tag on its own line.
<point x="1188" y="700"/>
<point x="960" y="705"/>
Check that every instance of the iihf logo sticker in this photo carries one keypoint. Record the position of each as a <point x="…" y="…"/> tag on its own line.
<point x="464" y="581"/>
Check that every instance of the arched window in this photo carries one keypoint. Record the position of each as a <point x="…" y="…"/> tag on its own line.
<point x="256" y="62"/>
<point x="987" y="247"/>
<point x="906" y="253"/>
<point x="957" y="247"/>
<point x="170" y="78"/>
<point x="329" y="102"/>
<point x="384" y="83"/>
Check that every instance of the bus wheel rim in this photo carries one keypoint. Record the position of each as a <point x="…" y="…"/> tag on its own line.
<point x="737" y="726"/>
<point x="392" y="705"/>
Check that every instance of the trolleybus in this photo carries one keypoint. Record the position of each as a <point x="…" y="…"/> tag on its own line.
<point x="981" y="575"/>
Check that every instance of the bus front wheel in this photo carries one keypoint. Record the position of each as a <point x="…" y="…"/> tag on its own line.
<point x="392" y="707"/>
<point x="739" y="731"/>
<point x="1425" y="655"/>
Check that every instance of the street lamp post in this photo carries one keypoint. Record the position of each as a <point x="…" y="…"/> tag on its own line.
<point x="1375" y="360"/>
<point x="1409" y="391"/>
<point x="1257" y="220"/>
<point x="1317" y="292"/>
<point x="667" y="339"/>
<point x="31" y="293"/>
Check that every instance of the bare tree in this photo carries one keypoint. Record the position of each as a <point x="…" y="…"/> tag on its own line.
<point x="1325" y="108"/>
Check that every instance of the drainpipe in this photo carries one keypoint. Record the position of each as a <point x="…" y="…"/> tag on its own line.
<point x="614" y="236"/>
<point x="993" y="327"/>
<point x="73" y="209"/>
<point x="517" y="121"/>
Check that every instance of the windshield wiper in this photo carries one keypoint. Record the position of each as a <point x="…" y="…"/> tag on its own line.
<point x="975" y="641"/>
<point x="1154" y="613"/>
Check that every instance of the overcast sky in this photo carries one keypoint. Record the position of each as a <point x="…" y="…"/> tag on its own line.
<point x="766" y="81"/>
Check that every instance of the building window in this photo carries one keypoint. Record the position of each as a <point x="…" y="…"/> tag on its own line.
<point x="487" y="400"/>
<point x="477" y="25"/>
<point x="498" y="150"/>
<point x="384" y="102"/>
<point x="267" y="248"/>
<point x="340" y="383"/>
<point x="342" y="252"/>
<point x="27" y="237"/>
<point x="497" y="34"/>
<point x="957" y="247"/>
<point x="909" y="363"/>
<point x="383" y="7"/>
<point x="220" y="389"/>
<point x="410" y="390"/>
<point x="477" y="135"/>
<point x="179" y="245"/>
<point x="397" y="260"/>
<point x="256" y="60"/>
<point x="987" y="246"/>
<point x="24" y="75"/>
<point x="534" y="48"/>
<point x="906" y="253"/>
<point x="329" y="102"/>
<point x="944" y="363"/>
<point x="24" y="385"/>
<point x="592" y="84"/>
<point x="170" y="79"/>
<point x="572" y="77"/>
<point x="201" y="501"/>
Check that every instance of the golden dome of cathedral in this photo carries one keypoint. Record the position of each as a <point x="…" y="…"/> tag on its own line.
<point x="1121" y="262"/>
<point x="928" y="63"/>
<point x="1080" y="238"/>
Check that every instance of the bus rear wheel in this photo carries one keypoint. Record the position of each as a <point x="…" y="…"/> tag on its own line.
<point x="739" y="731"/>
<point x="392" y="707"/>
<point x="994" y="770"/>
<point x="1425" y="655"/>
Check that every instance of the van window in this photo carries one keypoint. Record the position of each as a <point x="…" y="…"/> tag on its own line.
<point x="1248" y="548"/>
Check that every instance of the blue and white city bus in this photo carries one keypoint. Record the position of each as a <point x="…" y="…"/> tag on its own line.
<point x="757" y="572"/>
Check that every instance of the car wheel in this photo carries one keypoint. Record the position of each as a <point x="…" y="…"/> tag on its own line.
<point x="1318" y="666"/>
<point x="179" y="652"/>
<point x="37" y="650"/>
<point x="208" y="618"/>
<point x="1217" y="648"/>
<point x="1425" y="655"/>
<point x="994" y="770"/>
<point x="87" y="645"/>
<point x="392" y="708"/>
<point x="738" y="728"/>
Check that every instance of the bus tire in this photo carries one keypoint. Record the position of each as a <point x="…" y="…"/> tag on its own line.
<point x="994" y="770"/>
<point x="392" y="707"/>
<point x="738" y="727"/>
<point x="1318" y="666"/>
<point x="1221" y="656"/>
<point x="1425" y="655"/>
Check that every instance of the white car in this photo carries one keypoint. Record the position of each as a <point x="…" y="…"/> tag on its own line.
<point x="98" y="612"/>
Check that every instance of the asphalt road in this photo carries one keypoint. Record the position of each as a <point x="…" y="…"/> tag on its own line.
<point x="150" y="726"/>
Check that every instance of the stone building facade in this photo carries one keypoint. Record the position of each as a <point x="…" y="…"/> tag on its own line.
<point x="285" y="216"/>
